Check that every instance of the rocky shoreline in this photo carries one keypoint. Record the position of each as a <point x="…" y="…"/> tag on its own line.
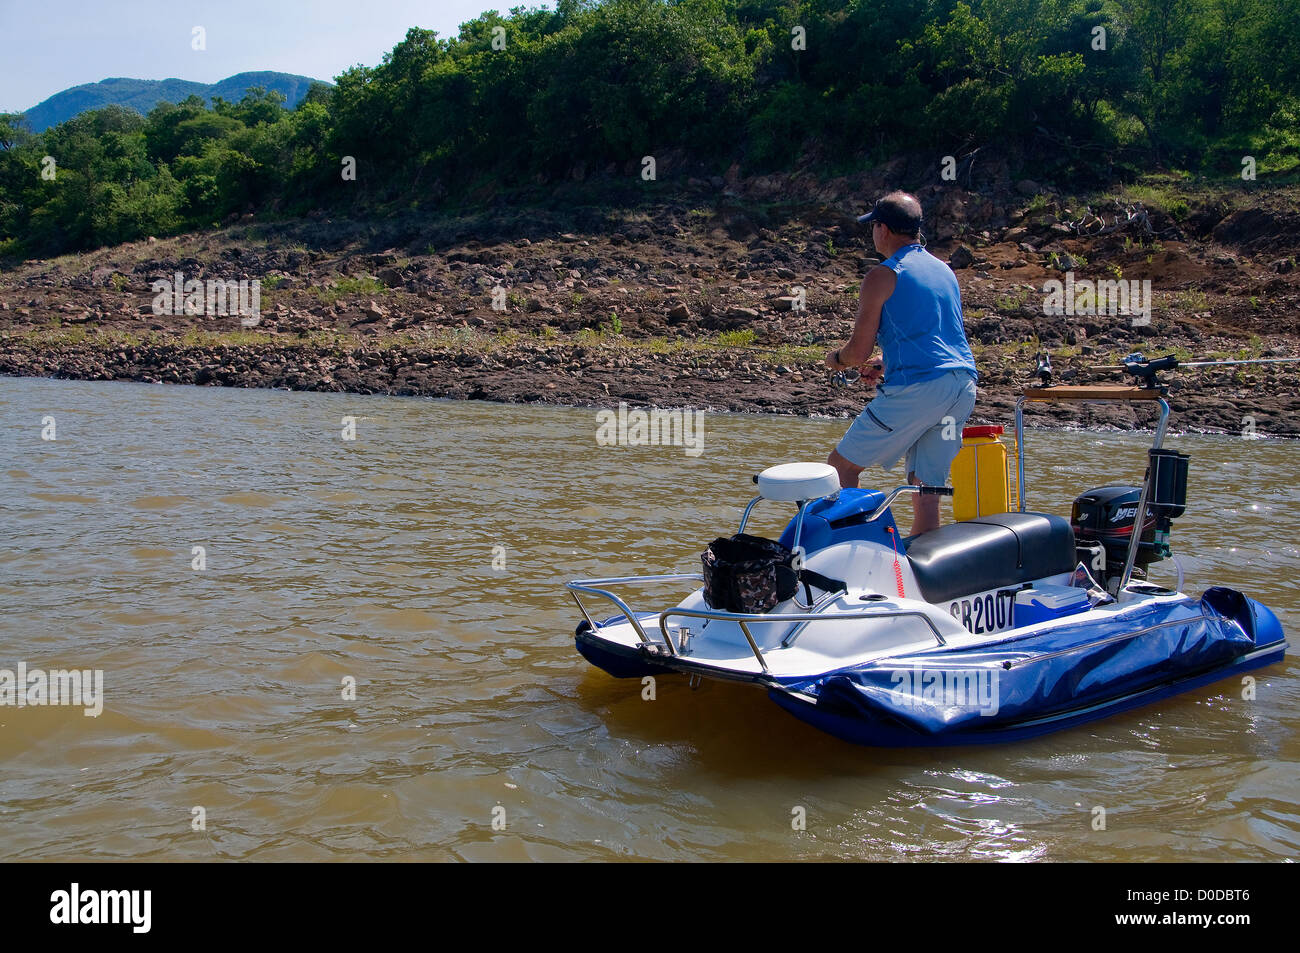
<point x="603" y="376"/>
<point x="725" y="307"/>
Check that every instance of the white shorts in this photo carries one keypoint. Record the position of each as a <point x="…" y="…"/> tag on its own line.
<point x="922" y="422"/>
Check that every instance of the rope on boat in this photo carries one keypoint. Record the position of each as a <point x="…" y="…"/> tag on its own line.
<point x="898" y="570"/>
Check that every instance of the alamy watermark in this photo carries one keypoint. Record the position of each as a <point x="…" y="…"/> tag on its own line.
<point x="78" y="905"/>
<point x="975" y="689"/>
<point x="36" y="687"/>
<point x="1130" y="298"/>
<point x="215" y="297"/>
<point x="653" y="428"/>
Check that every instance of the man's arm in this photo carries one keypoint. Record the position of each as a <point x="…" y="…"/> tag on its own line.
<point x="876" y="289"/>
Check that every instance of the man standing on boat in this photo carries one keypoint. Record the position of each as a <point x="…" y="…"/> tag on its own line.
<point x="910" y="304"/>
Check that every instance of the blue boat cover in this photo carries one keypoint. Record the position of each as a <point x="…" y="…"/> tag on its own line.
<point x="1026" y="677"/>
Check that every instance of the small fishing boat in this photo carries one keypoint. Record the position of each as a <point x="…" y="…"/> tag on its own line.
<point x="1005" y="624"/>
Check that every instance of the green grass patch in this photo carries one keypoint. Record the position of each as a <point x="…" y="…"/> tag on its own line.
<point x="1012" y="302"/>
<point x="741" y="338"/>
<point x="364" y="286"/>
<point x="1191" y="300"/>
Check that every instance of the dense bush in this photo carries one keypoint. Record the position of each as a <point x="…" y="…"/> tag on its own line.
<point x="1193" y="83"/>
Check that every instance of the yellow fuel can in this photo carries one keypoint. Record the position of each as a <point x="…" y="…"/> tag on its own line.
<point x="981" y="479"/>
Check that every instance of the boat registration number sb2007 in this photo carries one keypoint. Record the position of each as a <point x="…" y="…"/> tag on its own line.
<point x="986" y="611"/>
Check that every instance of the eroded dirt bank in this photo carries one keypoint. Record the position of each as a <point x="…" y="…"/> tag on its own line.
<point x="692" y="302"/>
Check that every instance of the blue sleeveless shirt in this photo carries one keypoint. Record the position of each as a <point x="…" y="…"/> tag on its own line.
<point x="921" y="335"/>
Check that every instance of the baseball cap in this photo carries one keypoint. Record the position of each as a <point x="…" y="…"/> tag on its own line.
<point x="893" y="215"/>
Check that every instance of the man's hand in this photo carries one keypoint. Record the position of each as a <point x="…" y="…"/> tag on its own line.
<point x="873" y="373"/>
<point x="831" y="362"/>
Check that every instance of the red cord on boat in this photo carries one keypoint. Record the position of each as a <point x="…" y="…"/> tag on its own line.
<point x="898" y="570"/>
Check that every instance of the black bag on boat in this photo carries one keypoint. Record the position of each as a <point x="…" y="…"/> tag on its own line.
<point x="747" y="573"/>
<point x="752" y="574"/>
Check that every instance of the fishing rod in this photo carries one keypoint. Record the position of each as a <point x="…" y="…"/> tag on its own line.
<point x="1177" y="363"/>
<point x="1145" y="370"/>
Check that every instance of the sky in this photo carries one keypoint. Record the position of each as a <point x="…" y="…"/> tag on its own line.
<point x="50" y="45"/>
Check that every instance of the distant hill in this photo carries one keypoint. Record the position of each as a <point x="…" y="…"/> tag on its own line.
<point x="143" y="94"/>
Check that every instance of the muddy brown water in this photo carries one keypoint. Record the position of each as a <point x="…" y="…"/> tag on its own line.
<point x="424" y="560"/>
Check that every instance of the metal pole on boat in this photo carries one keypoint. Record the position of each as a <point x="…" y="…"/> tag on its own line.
<point x="1135" y="540"/>
<point x="1020" y="451"/>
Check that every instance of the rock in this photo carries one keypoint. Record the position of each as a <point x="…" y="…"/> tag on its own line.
<point x="961" y="258"/>
<point x="1283" y="266"/>
<point x="741" y="314"/>
<point x="785" y="303"/>
<point x="1244" y="225"/>
<point x="374" y="312"/>
<point x="1028" y="187"/>
<point x="678" y="313"/>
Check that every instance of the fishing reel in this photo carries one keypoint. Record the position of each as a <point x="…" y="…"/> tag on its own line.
<point x="1046" y="374"/>
<point x="1145" y="370"/>
<point x="1044" y="369"/>
<point x="846" y="377"/>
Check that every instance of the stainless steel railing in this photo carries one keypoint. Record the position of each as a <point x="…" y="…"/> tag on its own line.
<point x="742" y="619"/>
<point x="1077" y="394"/>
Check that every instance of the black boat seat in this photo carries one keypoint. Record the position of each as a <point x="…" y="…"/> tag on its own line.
<point x="990" y="552"/>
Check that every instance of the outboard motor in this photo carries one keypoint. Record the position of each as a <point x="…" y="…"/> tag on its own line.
<point x="1107" y="516"/>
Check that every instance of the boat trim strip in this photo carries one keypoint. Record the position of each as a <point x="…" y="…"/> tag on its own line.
<point x="802" y="618"/>
<point x="1112" y="638"/>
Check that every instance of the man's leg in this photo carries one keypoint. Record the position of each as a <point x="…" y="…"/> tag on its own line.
<point x="878" y="436"/>
<point x="925" y="509"/>
<point x="929" y="461"/>
<point x="847" y="469"/>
